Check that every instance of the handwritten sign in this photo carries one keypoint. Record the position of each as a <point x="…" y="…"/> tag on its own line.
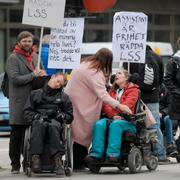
<point x="129" y="37"/>
<point x="45" y="13"/>
<point x="65" y="44"/>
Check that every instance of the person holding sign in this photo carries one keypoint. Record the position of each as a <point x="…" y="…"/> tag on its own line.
<point x="87" y="91"/>
<point x="21" y="70"/>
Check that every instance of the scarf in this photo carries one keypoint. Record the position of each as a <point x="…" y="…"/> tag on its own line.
<point x="27" y="55"/>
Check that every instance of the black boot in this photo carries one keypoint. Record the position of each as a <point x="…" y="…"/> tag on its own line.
<point x="59" y="166"/>
<point x="36" y="163"/>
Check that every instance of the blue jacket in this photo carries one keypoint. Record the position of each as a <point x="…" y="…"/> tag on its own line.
<point x="44" y="58"/>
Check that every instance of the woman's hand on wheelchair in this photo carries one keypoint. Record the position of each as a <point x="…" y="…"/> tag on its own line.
<point x="125" y="109"/>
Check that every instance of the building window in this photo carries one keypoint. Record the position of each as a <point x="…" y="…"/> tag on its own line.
<point x="149" y="36"/>
<point x="177" y="20"/>
<point x="2" y="15"/>
<point x="162" y="20"/>
<point x="163" y="36"/>
<point x="2" y="50"/>
<point x="102" y="18"/>
<point x="15" y="15"/>
<point x="97" y="36"/>
<point x="150" y="19"/>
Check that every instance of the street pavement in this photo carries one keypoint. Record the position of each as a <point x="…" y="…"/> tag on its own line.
<point x="163" y="172"/>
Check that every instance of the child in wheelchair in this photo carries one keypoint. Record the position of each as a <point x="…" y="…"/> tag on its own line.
<point x="108" y="151"/>
<point x="46" y="110"/>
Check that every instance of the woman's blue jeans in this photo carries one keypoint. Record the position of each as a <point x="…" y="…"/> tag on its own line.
<point x="116" y="129"/>
<point x="158" y="148"/>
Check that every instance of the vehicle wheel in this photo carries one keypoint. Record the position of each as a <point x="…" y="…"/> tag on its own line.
<point x="94" y="168"/>
<point x="68" y="171"/>
<point x="152" y="163"/>
<point x="135" y="160"/>
<point x="28" y="172"/>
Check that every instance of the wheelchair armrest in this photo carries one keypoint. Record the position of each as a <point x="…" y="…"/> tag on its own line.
<point x="128" y="117"/>
<point x="140" y="116"/>
<point x="134" y="117"/>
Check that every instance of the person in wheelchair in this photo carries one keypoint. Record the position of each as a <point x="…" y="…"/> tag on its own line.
<point x="127" y="93"/>
<point x="46" y="110"/>
<point x="166" y="122"/>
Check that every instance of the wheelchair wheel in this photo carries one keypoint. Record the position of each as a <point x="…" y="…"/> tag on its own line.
<point x="135" y="160"/>
<point x="94" y="168"/>
<point x="26" y="160"/>
<point x="69" y="152"/>
<point x="152" y="163"/>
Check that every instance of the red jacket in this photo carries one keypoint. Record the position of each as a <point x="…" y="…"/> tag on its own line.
<point x="129" y="98"/>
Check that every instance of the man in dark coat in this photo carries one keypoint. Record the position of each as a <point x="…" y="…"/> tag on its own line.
<point x="172" y="82"/>
<point x="47" y="109"/>
<point x="21" y="70"/>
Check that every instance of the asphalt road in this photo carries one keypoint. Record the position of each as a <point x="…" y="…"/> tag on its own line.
<point x="163" y="172"/>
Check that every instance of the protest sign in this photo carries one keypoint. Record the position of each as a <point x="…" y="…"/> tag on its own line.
<point x="129" y="37"/>
<point x="65" y="44"/>
<point x="45" y="13"/>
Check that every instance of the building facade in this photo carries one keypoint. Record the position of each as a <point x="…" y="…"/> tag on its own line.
<point x="163" y="22"/>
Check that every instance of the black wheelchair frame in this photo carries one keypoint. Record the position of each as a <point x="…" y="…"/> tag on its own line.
<point x="136" y="149"/>
<point x="47" y="164"/>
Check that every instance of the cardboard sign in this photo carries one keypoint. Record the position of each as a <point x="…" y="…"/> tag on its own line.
<point x="129" y="37"/>
<point x="45" y="13"/>
<point x="65" y="44"/>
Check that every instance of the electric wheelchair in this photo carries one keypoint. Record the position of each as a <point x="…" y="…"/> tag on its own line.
<point x="47" y="164"/>
<point x="136" y="149"/>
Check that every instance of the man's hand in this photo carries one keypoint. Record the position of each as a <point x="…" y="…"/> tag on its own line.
<point x="39" y="72"/>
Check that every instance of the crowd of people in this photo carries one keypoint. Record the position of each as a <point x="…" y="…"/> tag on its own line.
<point x="82" y="101"/>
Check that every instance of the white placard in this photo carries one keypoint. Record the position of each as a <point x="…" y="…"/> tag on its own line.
<point x="129" y="37"/>
<point x="65" y="44"/>
<point x="45" y="13"/>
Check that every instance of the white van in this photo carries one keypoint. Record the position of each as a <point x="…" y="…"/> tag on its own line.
<point x="163" y="49"/>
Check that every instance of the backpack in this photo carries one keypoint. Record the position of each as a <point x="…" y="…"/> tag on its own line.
<point x="150" y="73"/>
<point x="5" y="85"/>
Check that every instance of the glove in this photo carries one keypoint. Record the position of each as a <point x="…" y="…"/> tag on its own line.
<point x="39" y="117"/>
<point x="60" y="116"/>
<point x="46" y="119"/>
